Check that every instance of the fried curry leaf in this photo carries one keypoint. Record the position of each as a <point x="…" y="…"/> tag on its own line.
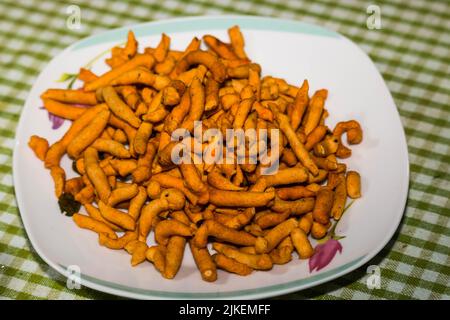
<point x="68" y="205"/>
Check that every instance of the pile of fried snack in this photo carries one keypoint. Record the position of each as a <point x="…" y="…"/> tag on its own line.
<point x="120" y="144"/>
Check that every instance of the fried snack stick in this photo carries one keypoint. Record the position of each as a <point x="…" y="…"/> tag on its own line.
<point x="117" y="244"/>
<point x="59" y="178"/>
<point x="220" y="48"/>
<point x="137" y="249"/>
<point x="272" y="238"/>
<point x="94" y="213"/>
<point x="63" y="110"/>
<point x="315" y="136"/>
<point x="112" y="147"/>
<point x="74" y="185"/>
<point x="299" y="106"/>
<point x="162" y="49"/>
<point x="340" y="197"/>
<point x="205" y="58"/>
<point x="296" y="207"/>
<point x="88" y="134"/>
<point x="298" y="148"/>
<point x="142" y="136"/>
<point x="316" y="107"/>
<point x="96" y="174"/>
<point x="212" y="94"/>
<point x="244" y="108"/>
<point x="130" y="132"/>
<point x="122" y="194"/>
<point x="89" y="223"/>
<point x="318" y="230"/>
<point x="301" y="243"/>
<point x="241" y="219"/>
<point x="192" y="178"/>
<point x="223" y="198"/>
<point x="237" y="42"/>
<point x="254" y="261"/>
<point x="156" y="255"/>
<point x="204" y="262"/>
<point x="119" y="108"/>
<point x="218" y="181"/>
<point x="141" y="76"/>
<point x="266" y="219"/>
<point x="305" y="223"/>
<point x="124" y="167"/>
<point x="294" y="193"/>
<point x="168" y="228"/>
<point x="170" y="199"/>
<point x="221" y="232"/>
<point x="143" y="170"/>
<point x="174" y="255"/>
<point x="70" y="96"/>
<point x="117" y="217"/>
<point x="286" y="176"/>
<point x="136" y="204"/>
<point x="167" y="181"/>
<point x="145" y="60"/>
<point x="282" y="254"/>
<point x="323" y="205"/>
<point x="353" y="183"/>
<point x="231" y="265"/>
<point x="176" y="116"/>
<point x="57" y="150"/>
<point x="197" y="105"/>
<point x="39" y="146"/>
<point x="86" y="195"/>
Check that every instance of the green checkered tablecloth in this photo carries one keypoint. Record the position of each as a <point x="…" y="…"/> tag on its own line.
<point x="412" y="51"/>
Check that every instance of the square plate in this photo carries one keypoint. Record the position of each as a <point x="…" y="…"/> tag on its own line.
<point x="287" y="49"/>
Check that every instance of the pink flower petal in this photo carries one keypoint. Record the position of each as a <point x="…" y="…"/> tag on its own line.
<point x="324" y="254"/>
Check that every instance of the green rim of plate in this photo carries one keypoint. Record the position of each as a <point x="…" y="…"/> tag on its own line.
<point x="212" y="295"/>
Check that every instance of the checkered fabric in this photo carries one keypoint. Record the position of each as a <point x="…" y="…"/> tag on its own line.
<point x="412" y="51"/>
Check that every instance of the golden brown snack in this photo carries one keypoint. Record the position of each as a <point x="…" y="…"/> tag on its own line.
<point x="207" y="59"/>
<point x="296" y="207"/>
<point x="120" y="108"/>
<point x="204" y="262"/>
<point x="353" y="183"/>
<point x="99" y="227"/>
<point x="224" y="198"/>
<point x="117" y="217"/>
<point x="39" y="146"/>
<point x="117" y="244"/>
<point x="156" y="255"/>
<point x="221" y="232"/>
<point x="59" y="178"/>
<point x="94" y="213"/>
<point x="174" y="256"/>
<point x="340" y="197"/>
<point x="112" y="147"/>
<point x="119" y="195"/>
<point x="63" y="110"/>
<point x="88" y="134"/>
<point x="170" y="199"/>
<point x="137" y="249"/>
<point x="254" y="261"/>
<point x="272" y="238"/>
<point x="169" y="228"/>
<point x="231" y="265"/>
<point x="301" y="243"/>
<point x="138" y="60"/>
<point x="96" y="174"/>
<point x="70" y="96"/>
<point x="323" y="205"/>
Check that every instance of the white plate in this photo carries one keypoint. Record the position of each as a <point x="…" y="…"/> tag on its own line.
<point x="287" y="49"/>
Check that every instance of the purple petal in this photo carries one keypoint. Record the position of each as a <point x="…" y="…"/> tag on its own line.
<point x="324" y="254"/>
<point x="56" y="121"/>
